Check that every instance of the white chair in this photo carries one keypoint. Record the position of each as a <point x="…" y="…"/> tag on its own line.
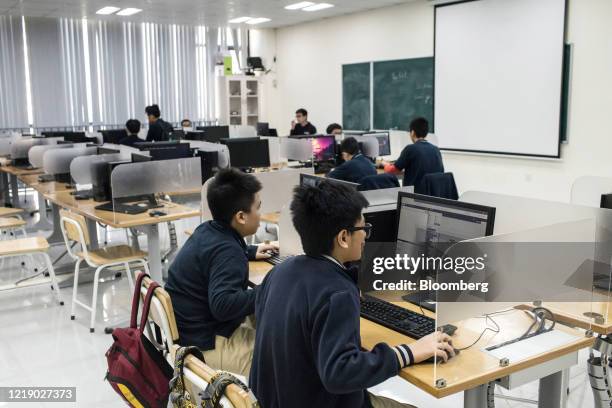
<point x="74" y="230"/>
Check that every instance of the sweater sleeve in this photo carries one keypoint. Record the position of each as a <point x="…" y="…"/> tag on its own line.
<point x="402" y="161"/>
<point x="340" y="172"/>
<point x="343" y="367"/>
<point x="228" y="298"/>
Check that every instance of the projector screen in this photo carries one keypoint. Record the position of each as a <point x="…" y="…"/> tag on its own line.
<point x="498" y="76"/>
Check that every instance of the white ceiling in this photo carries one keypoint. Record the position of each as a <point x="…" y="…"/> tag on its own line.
<point x="207" y="12"/>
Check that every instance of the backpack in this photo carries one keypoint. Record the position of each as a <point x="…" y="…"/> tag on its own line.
<point x="211" y="396"/>
<point x="137" y="370"/>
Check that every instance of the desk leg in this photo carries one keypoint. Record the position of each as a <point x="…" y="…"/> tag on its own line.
<point x="92" y="228"/>
<point x="553" y="391"/>
<point x="14" y="192"/>
<point x="4" y="192"/>
<point x="43" y="223"/>
<point x="154" y="258"/>
<point x="56" y="236"/>
<point x="476" y="397"/>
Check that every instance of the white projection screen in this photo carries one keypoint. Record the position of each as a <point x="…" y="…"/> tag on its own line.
<point x="498" y="76"/>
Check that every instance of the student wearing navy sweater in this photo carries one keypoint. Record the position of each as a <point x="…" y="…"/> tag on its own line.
<point x="307" y="346"/>
<point x="418" y="159"/>
<point x="207" y="281"/>
<point x="356" y="166"/>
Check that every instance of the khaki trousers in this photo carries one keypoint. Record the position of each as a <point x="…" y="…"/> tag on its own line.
<point x="236" y="353"/>
<point x="383" y="402"/>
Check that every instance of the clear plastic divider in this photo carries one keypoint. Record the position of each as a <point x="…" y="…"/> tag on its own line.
<point x="57" y="161"/>
<point x="587" y="190"/>
<point x="36" y="153"/>
<point x="141" y="187"/>
<point x="296" y="149"/>
<point x="277" y="187"/>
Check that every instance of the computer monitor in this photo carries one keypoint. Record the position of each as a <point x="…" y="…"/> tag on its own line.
<point x="248" y="152"/>
<point x="113" y="136"/>
<point x="104" y="150"/>
<point x="606" y="201"/>
<point x="323" y="148"/>
<point x="314" y="181"/>
<point x="78" y="137"/>
<point x="177" y="134"/>
<point x="214" y="134"/>
<point x="208" y="162"/>
<point x="384" y="224"/>
<point x="255" y="63"/>
<point x="427" y="226"/>
<point x="384" y="142"/>
<point x="263" y="129"/>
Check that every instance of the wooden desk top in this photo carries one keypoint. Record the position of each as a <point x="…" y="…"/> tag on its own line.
<point x="7" y="211"/>
<point x="17" y="171"/>
<point x="272" y="218"/>
<point x="44" y="188"/>
<point x="472" y="367"/>
<point x="87" y="209"/>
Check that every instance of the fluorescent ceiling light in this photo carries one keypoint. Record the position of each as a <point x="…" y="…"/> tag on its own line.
<point x="299" y="5"/>
<point x="258" y="20"/>
<point x="317" y="7"/>
<point x="239" y="20"/>
<point x="107" y="10"/>
<point x="129" y="11"/>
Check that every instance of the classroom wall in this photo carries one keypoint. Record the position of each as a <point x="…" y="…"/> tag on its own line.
<point x="308" y="74"/>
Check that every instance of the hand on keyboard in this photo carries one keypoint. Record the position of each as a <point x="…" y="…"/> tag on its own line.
<point x="265" y="251"/>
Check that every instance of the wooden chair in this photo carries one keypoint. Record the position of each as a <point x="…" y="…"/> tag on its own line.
<point x="74" y="229"/>
<point x="11" y="221"/>
<point x="197" y="373"/>
<point x="30" y="247"/>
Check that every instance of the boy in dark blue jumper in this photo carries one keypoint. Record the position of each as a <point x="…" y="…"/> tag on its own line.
<point x="307" y="346"/>
<point x="207" y="281"/>
<point x="418" y="159"/>
<point x="356" y="166"/>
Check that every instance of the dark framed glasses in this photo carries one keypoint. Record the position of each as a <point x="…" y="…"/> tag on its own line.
<point x="367" y="228"/>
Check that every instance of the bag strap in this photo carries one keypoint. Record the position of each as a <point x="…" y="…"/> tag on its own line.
<point x="147" y="305"/>
<point x="177" y="383"/>
<point x="136" y="298"/>
<point x="211" y="396"/>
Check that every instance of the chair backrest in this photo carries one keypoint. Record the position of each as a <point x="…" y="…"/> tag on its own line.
<point x="74" y="228"/>
<point x="197" y="376"/>
<point x="378" y="182"/>
<point x="438" y="185"/>
<point x="162" y="314"/>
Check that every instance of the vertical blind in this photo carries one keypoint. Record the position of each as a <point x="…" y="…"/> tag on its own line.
<point x="102" y="72"/>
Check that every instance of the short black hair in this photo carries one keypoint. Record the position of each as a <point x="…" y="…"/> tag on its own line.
<point x="350" y="145"/>
<point x="303" y="111"/>
<point x="333" y="127"/>
<point x="320" y="213"/>
<point x="133" y="126"/>
<point x="185" y="120"/>
<point x="420" y="127"/>
<point x="153" y="110"/>
<point x="230" y="192"/>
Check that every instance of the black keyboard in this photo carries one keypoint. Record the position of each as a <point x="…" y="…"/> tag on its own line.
<point x="396" y="318"/>
<point x="276" y="259"/>
<point x="122" y="208"/>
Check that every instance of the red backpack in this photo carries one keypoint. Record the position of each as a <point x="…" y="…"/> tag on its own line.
<point x="137" y="370"/>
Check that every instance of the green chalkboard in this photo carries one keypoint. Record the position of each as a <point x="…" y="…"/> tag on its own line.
<point x="565" y="87"/>
<point x="403" y="90"/>
<point x="356" y="96"/>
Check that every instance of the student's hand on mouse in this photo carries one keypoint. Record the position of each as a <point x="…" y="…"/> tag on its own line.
<point x="437" y="343"/>
<point x="263" y="250"/>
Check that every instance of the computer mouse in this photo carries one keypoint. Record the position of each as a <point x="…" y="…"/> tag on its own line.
<point x="432" y="360"/>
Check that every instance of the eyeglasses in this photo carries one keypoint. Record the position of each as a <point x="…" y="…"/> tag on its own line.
<point x="367" y="228"/>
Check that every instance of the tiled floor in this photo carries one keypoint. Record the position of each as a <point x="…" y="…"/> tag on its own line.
<point x="41" y="346"/>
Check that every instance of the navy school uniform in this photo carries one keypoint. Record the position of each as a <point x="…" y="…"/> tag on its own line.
<point x="354" y="170"/>
<point x="417" y="160"/>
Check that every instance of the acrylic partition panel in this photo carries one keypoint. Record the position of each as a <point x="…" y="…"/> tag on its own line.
<point x="57" y="161"/>
<point x="519" y="213"/>
<point x="370" y="145"/>
<point x="81" y="167"/>
<point x="296" y="149"/>
<point x="36" y="153"/>
<point x="222" y="150"/>
<point x="274" y="150"/>
<point x="142" y="184"/>
<point x="588" y="190"/>
<point x="288" y="238"/>
<point x="238" y="131"/>
<point x="21" y="147"/>
<point x="480" y="283"/>
<point x="277" y="188"/>
<point x="385" y="196"/>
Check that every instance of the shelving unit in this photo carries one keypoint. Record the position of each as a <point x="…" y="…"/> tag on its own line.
<point x="240" y="99"/>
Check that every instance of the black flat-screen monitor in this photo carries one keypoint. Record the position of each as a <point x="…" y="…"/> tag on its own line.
<point x="113" y="136"/>
<point x="313" y="181"/>
<point x="606" y="201"/>
<point x="263" y="129"/>
<point x="214" y="134"/>
<point x="323" y="148"/>
<point x="248" y="152"/>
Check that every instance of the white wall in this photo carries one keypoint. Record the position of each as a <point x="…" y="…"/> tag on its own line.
<point x="308" y="74"/>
